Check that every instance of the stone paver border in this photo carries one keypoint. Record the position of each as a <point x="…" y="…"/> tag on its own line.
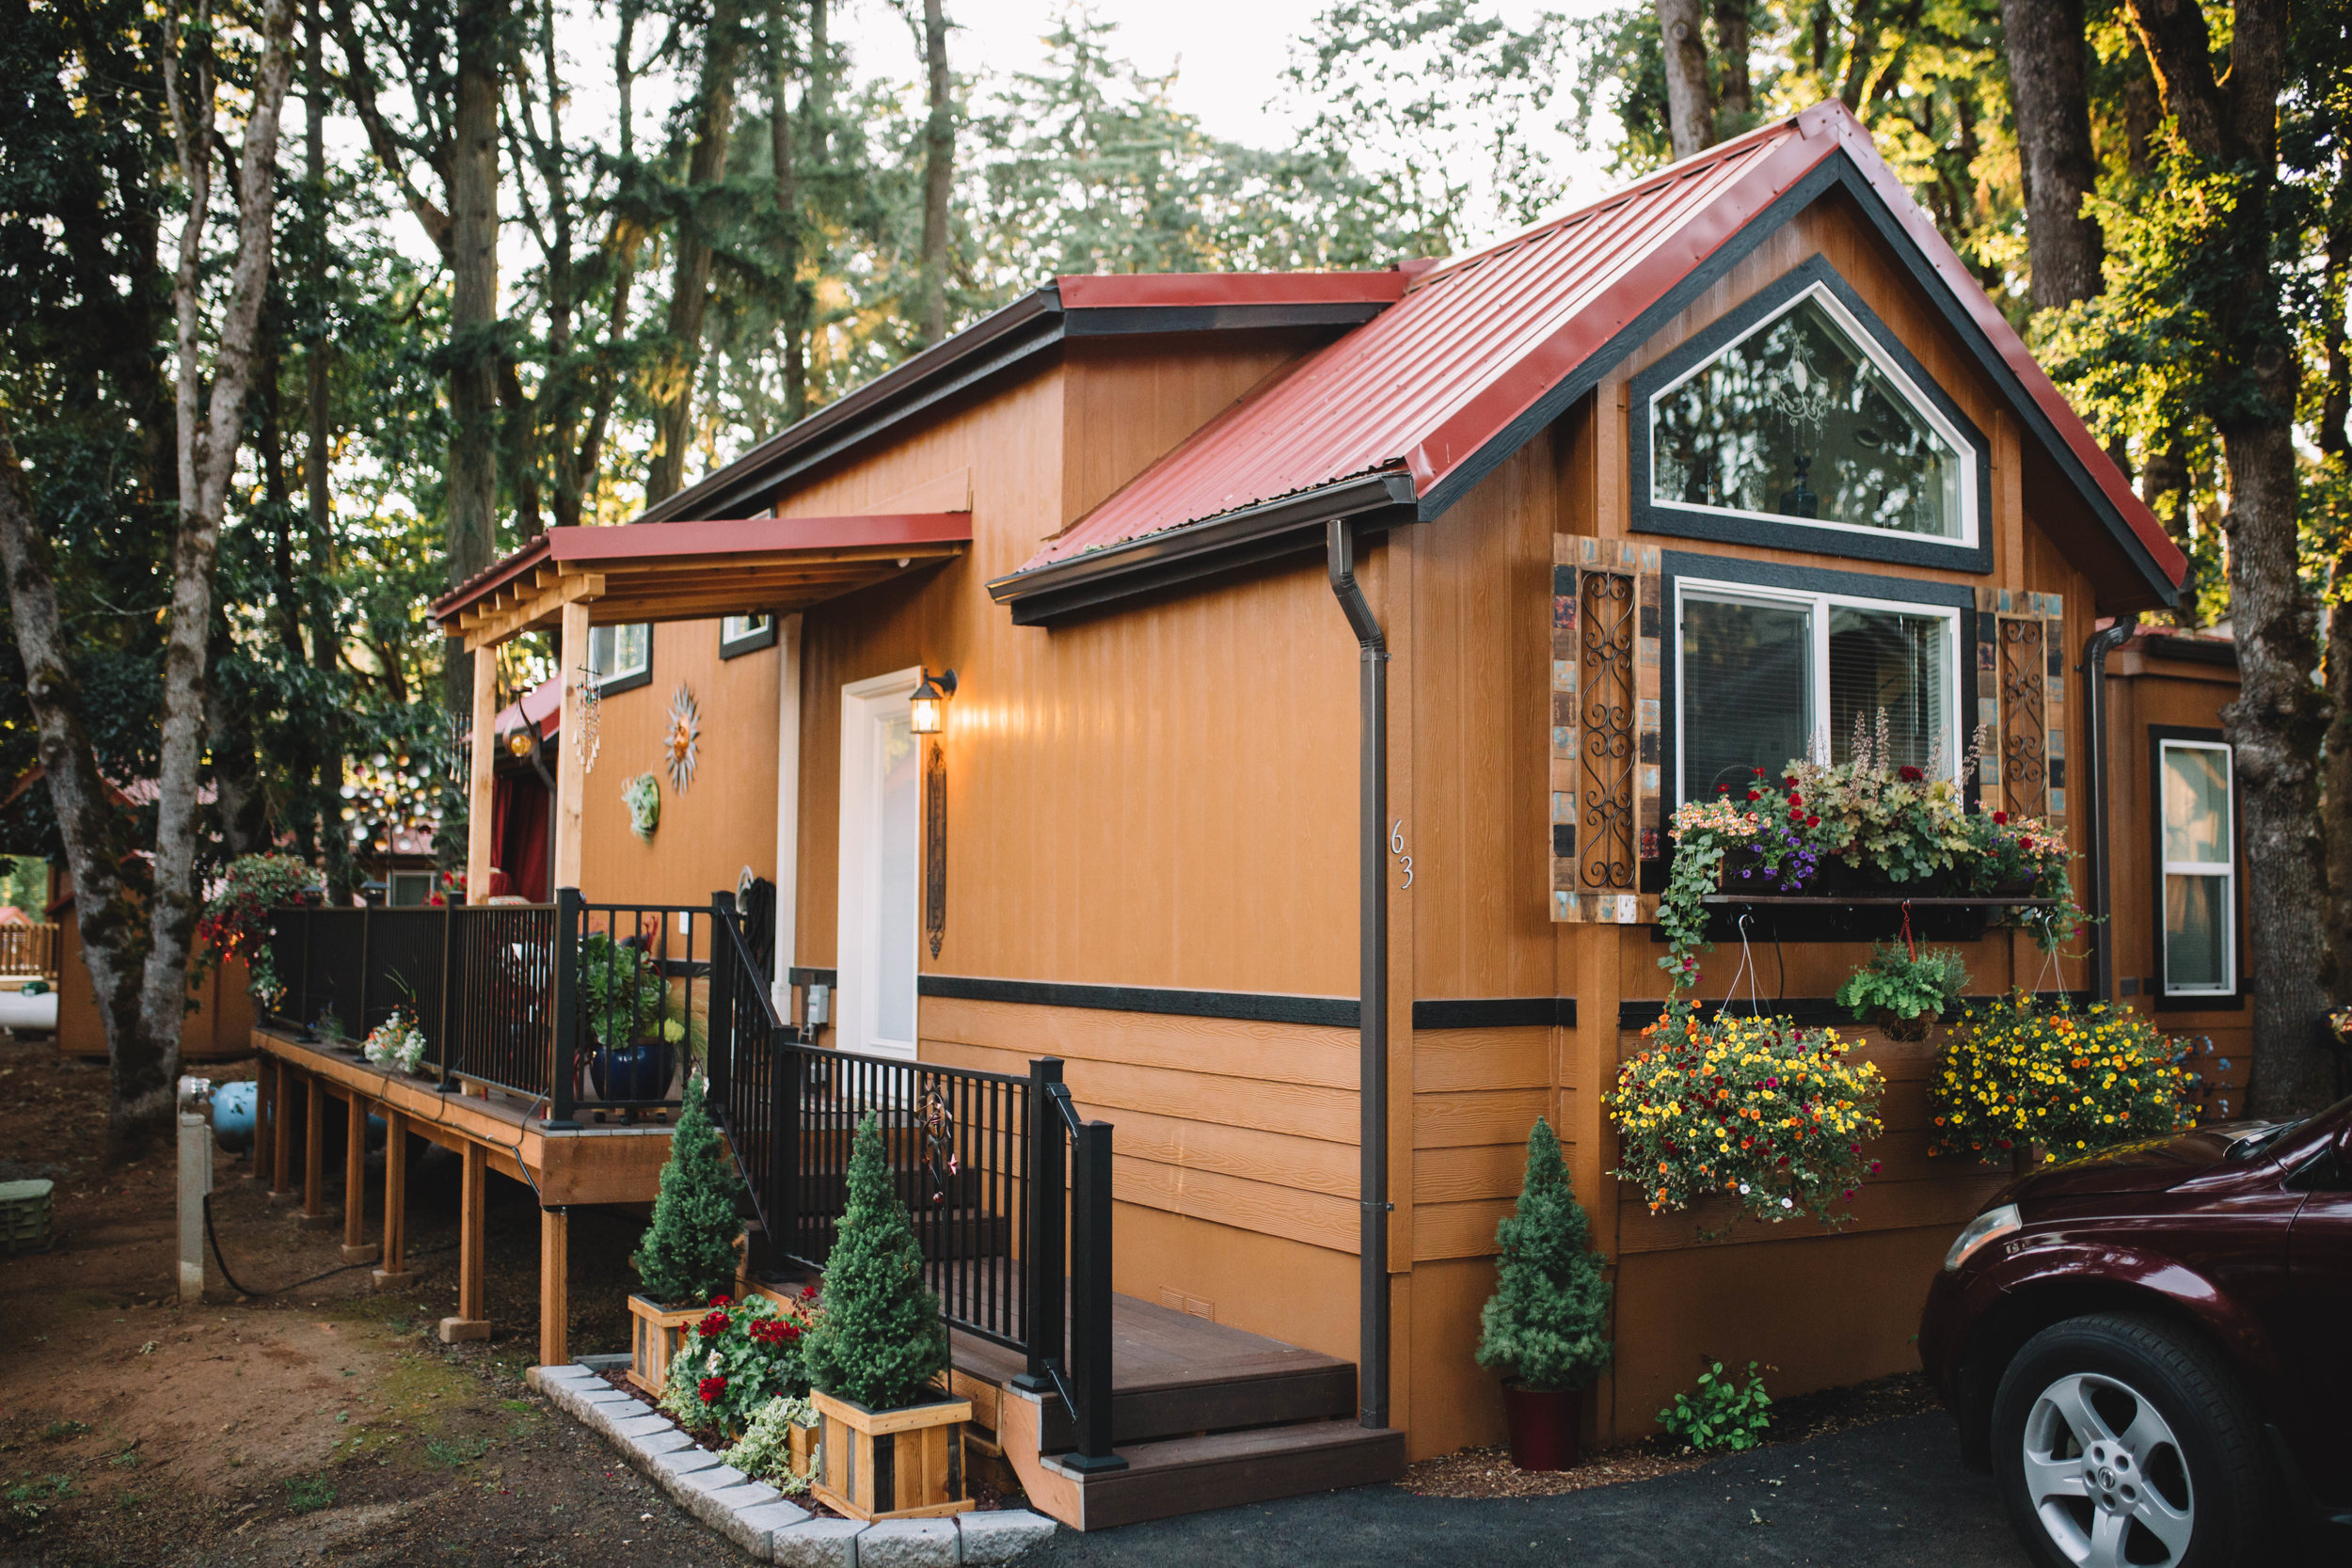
<point x="755" y="1516"/>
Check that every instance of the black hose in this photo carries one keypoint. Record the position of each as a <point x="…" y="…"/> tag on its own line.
<point x="213" y="1233"/>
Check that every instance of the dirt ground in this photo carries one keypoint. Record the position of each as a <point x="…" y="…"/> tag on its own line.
<point x="318" y="1422"/>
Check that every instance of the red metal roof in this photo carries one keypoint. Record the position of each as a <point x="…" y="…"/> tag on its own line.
<point x="1476" y="344"/>
<point x="1126" y="290"/>
<point x="713" y="541"/>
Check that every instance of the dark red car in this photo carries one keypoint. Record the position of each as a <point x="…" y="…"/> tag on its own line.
<point x="2152" y="1348"/>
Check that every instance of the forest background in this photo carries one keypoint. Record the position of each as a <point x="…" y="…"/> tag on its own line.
<point x="525" y="262"/>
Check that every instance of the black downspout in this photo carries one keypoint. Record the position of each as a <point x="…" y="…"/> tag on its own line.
<point x="2094" y="674"/>
<point x="1371" y="1377"/>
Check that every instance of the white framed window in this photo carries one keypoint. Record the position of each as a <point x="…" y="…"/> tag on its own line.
<point x="745" y="634"/>
<point x="2197" y="841"/>
<point x="881" y="866"/>
<point x="1766" y="675"/>
<point x="621" y="657"/>
<point x="1806" y="418"/>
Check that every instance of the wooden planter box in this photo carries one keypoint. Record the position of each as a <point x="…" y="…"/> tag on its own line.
<point x="656" y="1333"/>
<point x="904" y="1463"/>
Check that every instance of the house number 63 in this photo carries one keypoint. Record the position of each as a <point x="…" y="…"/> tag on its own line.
<point x="1396" y="847"/>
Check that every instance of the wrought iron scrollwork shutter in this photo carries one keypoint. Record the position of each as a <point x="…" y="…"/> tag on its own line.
<point x="2021" y="670"/>
<point x="1606" y="621"/>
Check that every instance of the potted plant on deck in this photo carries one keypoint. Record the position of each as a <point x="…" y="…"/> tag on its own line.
<point x="891" y="1441"/>
<point x="624" y="1001"/>
<point x="688" y="1255"/>
<point x="1547" y="1317"/>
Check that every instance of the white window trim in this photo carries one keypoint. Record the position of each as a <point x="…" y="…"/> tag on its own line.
<point x="1819" y="604"/>
<point x="2225" y="868"/>
<point x="862" y="704"/>
<point x="643" y="666"/>
<point x="1963" y="449"/>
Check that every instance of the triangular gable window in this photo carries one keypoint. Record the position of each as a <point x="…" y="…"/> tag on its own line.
<point x="1808" y="417"/>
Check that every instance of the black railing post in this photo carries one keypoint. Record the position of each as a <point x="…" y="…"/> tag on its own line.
<point x="449" y="989"/>
<point x="1047" y="1179"/>
<point x="302" y="1019"/>
<point x="367" y="956"/>
<point x="1091" y="1299"/>
<point x="787" y="1076"/>
<point x="563" y="1047"/>
<point x="719" y="1038"/>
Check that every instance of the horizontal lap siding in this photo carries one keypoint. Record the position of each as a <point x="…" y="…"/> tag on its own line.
<point x="1242" y="1123"/>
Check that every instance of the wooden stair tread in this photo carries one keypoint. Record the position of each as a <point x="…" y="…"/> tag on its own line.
<point x="1225" y="1447"/>
<point x="1191" y="1475"/>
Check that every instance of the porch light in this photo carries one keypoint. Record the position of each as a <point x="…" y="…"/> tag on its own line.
<point x="518" y="741"/>
<point x="927" y="709"/>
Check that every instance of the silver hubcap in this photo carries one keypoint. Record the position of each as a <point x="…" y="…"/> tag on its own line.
<point x="2107" y="1474"/>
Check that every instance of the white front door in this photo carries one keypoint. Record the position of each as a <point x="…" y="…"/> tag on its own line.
<point x="881" y="827"/>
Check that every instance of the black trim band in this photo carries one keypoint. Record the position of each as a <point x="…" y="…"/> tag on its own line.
<point x="1651" y="516"/>
<point x="1326" y="1012"/>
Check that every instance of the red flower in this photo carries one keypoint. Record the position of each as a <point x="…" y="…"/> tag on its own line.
<point x="1812" y="821"/>
<point x="1796" y="814"/>
<point x="787" y="1333"/>
<point x="1723" y="789"/>
<point x="1795" y="799"/>
<point x="2000" y="819"/>
<point x="1753" y="796"/>
<point x="809" y="1294"/>
<point x="721" y="1301"/>
<point x="1909" y="774"/>
<point x="712" y="1325"/>
<point x="1790" y="782"/>
<point x="1760" y="772"/>
<point x="710" y="1389"/>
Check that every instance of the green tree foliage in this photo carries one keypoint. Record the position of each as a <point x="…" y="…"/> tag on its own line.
<point x="881" y="1339"/>
<point x="688" y="1253"/>
<point x="1548" y="1317"/>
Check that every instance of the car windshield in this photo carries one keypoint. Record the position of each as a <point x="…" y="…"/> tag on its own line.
<point x="2254" y="1143"/>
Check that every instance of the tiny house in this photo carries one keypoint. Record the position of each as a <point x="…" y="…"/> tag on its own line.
<point x="1260" y="698"/>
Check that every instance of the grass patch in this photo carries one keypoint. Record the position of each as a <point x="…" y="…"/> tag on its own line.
<point x="127" y="1460"/>
<point x="456" y="1453"/>
<point x="308" y="1494"/>
<point x="60" y="1432"/>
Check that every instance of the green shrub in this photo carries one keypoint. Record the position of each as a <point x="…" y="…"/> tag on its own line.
<point x="687" y="1254"/>
<point x="1547" y="1317"/>
<point x="881" y="1340"/>
<point x="1717" y="1415"/>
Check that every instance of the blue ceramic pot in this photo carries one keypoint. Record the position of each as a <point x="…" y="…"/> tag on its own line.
<point x="639" y="1072"/>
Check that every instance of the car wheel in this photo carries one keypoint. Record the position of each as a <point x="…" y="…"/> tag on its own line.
<point x="2120" y="1442"/>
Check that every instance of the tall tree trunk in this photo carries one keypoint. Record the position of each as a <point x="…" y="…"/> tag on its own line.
<point x="473" y="181"/>
<point x="689" y="286"/>
<point x="788" y="194"/>
<point x="939" y="158"/>
<point x="2230" y="125"/>
<point x="2051" y="92"/>
<point x="1736" y="92"/>
<point x="1690" y="99"/>
<point x="210" y="426"/>
<point x="2335" y="454"/>
<point x="318" y="826"/>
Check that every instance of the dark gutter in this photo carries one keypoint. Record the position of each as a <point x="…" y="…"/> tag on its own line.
<point x="1288" y="526"/>
<point x="2190" y="650"/>
<point x="1372" y="918"/>
<point x="2095" y="673"/>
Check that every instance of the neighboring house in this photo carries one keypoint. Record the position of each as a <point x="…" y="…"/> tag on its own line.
<point x="1612" y="547"/>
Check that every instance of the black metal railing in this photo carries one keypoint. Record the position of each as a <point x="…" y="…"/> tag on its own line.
<point x="599" y="1010"/>
<point x="1005" y="1219"/>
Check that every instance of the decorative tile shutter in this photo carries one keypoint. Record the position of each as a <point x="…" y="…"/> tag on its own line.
<point x="1606" y="621"/>
<point x="2021" y="656"/>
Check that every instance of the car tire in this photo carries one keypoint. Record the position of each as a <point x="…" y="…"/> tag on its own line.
<point x="2121" y="1439"/>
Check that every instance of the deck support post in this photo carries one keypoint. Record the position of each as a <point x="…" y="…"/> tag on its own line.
<point x="281" y="1134"/>
<point x="314" y="1216"/>
<point x="481" y="783"/>
<point x="555" y="1298"/>
<point x="355" y="1249"/>
<point x="472" y="1204"/>
<point x="392" y="1273"/>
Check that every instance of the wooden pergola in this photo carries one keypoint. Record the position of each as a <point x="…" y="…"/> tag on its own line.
<point x="578" y="577"/>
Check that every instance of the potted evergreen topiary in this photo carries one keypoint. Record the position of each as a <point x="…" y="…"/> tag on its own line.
<point x="687" y="1258"/>
<point x="892" y="1442"/>
<point x="1547" y="1317"/>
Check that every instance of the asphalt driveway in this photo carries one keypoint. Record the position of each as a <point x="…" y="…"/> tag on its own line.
<point x="1893" y="1493"/>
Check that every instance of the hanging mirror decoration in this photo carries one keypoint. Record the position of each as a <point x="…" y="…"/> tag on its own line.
<point x="590" y="740"/>
<point x="682" y="741"/>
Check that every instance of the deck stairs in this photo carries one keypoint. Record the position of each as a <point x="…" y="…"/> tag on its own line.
<point x="1206" y="1416"/>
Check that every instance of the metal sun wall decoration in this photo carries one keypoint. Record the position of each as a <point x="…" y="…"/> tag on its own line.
<point x="590" y="740"/>
<point x="681" y="742"/>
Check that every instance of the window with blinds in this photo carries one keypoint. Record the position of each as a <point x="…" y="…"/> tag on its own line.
<point x="2196" y="829"/>
<point x="1765" y="676"/>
